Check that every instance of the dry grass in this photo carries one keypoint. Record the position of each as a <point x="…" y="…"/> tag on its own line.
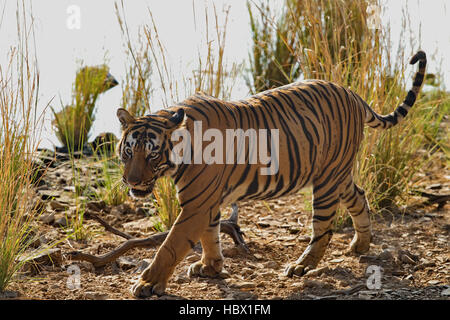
<point x="19" y="86"/>
<point x="332" y="40"/>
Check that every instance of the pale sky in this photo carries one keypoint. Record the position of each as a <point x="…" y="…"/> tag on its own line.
<point x="60" y="49"/>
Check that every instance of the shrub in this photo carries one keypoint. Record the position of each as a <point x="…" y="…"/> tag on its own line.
<point x="74" y="121"/>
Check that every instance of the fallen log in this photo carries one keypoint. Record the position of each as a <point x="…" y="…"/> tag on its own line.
<point x="229" y="227"/>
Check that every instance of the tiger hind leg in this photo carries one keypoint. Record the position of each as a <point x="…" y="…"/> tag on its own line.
<point x="354" y="199"/>
<point x="211" y="264"/>
<point x="325" y="204"/>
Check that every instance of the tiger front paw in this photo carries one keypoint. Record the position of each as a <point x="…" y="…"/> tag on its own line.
<point x="297" y="270"/>
<point x="143" y="289"/>
<point x="199" y="269"/>
<point x="153" y="281"/>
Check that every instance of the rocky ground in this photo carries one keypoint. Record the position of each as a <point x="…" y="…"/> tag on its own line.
<point x="410" y="245"/>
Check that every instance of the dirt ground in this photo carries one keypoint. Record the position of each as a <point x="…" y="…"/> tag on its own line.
<point x="411" y="246"/>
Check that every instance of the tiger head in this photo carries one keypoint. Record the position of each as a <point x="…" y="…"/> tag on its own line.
<point x="145" y="148"/>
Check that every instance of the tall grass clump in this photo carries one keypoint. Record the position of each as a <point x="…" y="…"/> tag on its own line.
<point x="332" y="40"/>
<point x="271" y="61"/>
<point x="19" y="87"/>
<point x="73" y="123"/>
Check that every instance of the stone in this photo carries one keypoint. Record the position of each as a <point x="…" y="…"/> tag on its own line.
<point x="96" y="205"/>
<point x="96" y="296"/>
<point x="61" y="222"/>
<point x="367" y="259"/>
<point x="243" y="285"/>
<point x="386" y="255"/>
<point x="144" y="225"/>
<point x="126" y="263"/>
<point x="271" y="265"/>
<point x="58" y="206"/>
<point x="317" y="272"/>
<point x="48" y="194"/>
<point x="47" y="218"/>
<point x="9" y="294"/>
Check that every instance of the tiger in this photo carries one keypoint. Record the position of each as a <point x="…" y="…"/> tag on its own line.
<point x="320" y="127"/>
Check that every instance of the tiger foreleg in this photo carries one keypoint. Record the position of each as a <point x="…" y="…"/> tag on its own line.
<point x="181" y="239"/>
<point x="211" y="264"/>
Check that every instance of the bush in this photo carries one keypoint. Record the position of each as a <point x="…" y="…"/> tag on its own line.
<point x="74" y="121"/>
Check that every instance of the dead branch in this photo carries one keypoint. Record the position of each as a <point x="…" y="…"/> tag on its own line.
<point x="228" y="226"/>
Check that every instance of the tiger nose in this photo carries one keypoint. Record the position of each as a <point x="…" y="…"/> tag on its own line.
<point x="134" y="181"/>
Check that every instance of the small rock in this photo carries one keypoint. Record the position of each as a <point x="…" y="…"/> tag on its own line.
<point x="126" y="263"/>
<point x="294" y="229"/>
<point x="96" y="296"/>
<point x="367" y="259"/>
<point x="244" y="285"/>
<point x="405" y="258"/>
<point x="96" y="205"/>
<point x="61" y="222"/>
<point x="144" y="225"/>
<point x="433" y="282"/>
<point x="386" y="255"/>
<point x="124" y="208"/>
<point x="47" y="218"/>
<point x="304" y="239"/>
<point x="337" y="260"/>
<point x="317" y="272"/>
<point x="69" y="188"/>
<point x="9" y="294"/>
<point x="309" y="283"/>
<point x="271" y="265"/>
<point x="246" y="272"/>
<point x="58" y="206"/>
<point x="48" y="194"/>
<point x="424" y="265"/>
<point x="142" y="211"/>
<point x="242" y="295"/>
<point x="263" y="224"/>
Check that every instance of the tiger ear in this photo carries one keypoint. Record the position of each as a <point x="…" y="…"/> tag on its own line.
<point x="177" y="119"/>
<point x="125" y="118"/>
